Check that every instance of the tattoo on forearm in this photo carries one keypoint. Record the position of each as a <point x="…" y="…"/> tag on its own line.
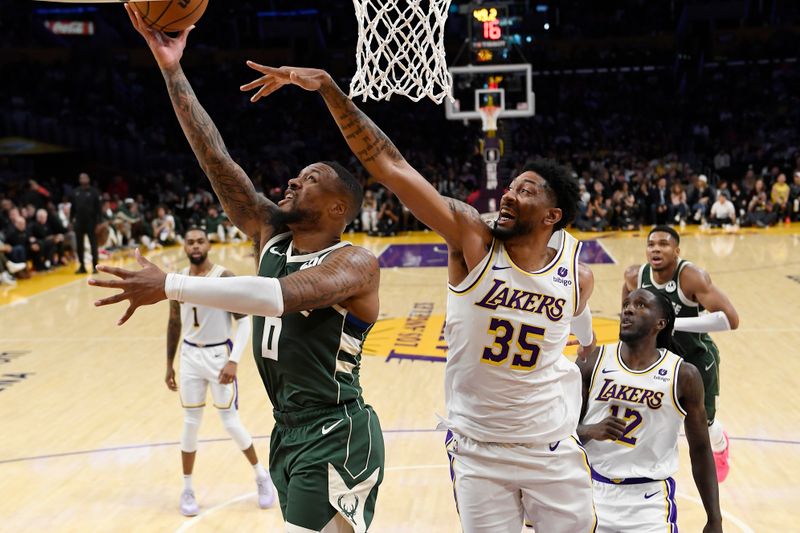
<point x="365" y="139"/>
<point x="330" y="283"/>
<point x="233" y="187"/>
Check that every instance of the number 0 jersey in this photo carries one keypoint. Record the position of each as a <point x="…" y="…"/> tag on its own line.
<point x="309" y="359"/>
<point x="648" y="402"/>
<point x="205" y="325"/>
<point x="506" y="379"/>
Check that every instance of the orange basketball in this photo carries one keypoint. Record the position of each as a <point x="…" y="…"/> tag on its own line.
<point x="171" y="15"/>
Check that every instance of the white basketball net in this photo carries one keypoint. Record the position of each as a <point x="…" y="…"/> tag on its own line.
<point x="401" y="50"/>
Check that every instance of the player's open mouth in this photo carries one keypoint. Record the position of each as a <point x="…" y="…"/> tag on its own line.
<point x="289" y="196"/>
<point x="625" y="322"/>
<point x="505" y="216"/>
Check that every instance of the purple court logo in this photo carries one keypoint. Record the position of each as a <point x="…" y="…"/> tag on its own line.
<point x="662" y="372"/>
<point x="562" y="272"/>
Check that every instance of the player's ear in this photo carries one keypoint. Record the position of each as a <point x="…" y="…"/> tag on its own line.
<point x="661" y="323"/>
<point x="552" y="216"/>
<point x="339" y="208"/>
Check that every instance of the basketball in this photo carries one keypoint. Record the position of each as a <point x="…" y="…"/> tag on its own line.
<point x="171" y="15"/>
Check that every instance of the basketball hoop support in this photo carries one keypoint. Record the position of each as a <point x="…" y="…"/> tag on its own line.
<point x="489" y="115"/>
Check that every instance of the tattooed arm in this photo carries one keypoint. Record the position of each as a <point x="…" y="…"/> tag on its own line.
<point x="453" y="220"/>
<point x="248" y="210"/>
<point x="348" y="277"/>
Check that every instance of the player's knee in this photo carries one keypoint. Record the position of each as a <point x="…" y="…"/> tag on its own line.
<point x="191" y="427"/>
<point x="234" y="427"/>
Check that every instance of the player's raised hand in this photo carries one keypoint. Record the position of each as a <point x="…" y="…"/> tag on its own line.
<point x="310" y="79"/>
<point x="140" y="287"/>
<point x="167" y="50"/>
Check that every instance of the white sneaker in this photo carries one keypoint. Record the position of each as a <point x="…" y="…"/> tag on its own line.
<point x="15" y="267"/>
<point x="189" y="505"/>
<point x="7" y="278"/>
<point x="266" y="492"/>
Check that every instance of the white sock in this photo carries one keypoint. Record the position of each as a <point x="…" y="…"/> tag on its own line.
<point x="716" y="437"/>
<point x="187" y="482"/>
<point x="259" y="470"/>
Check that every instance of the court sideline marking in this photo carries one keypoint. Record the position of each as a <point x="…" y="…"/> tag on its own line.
<point x="757" y="440"/>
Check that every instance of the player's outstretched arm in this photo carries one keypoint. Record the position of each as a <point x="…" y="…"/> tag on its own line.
<point x="348" y="277"/>
<point x="691" y="397"/>
<point x="248" y="210"/>
<point x="696" y="283"/>
<point x="453" y="220"/>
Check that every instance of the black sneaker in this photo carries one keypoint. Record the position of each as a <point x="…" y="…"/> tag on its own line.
<point x="94" y="270"/>
<point x="81" y="270"/>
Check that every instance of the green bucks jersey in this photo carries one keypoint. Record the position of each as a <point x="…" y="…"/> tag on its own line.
<point x="691" y="346"/>
<point x="308" y="359"/>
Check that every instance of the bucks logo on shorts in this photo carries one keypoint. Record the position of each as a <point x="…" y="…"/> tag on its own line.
<point x="348" y="504"/>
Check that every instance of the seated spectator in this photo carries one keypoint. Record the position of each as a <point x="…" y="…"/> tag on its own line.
<point x="369" y="213"/>
<point x="702" y="199"/>
<point x="219" y="227"/>
<point x="627" y="213"/>
<point x="659" y="203"/>
<point x="678" y="203"/>
<point x="389" y="216"/>
<point x="17" y="238"/>
<point x="50" y="234"/>
<point x="780" y="197"/>
<point x="739" y="200"/>
<point x="9" y="269"/>
<point x="794" y="197"/>
<point x="163" y="227"/>
<point x="722" y="212"/>
<point x="131" y="225"/>
<point x="597" y="214"/>
<point x="760" y="212"/>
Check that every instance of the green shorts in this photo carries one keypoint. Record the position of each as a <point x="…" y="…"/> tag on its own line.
<point x="327" y="461"/>
<point x="707" y="362"/>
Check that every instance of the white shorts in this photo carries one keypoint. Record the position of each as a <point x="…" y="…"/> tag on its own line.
<point x="641" y="508"/>
<point x="497" y="486"/>
<point x="200" y="368"/>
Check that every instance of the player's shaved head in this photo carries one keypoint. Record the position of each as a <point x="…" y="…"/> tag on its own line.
<point x="349" y="187"/>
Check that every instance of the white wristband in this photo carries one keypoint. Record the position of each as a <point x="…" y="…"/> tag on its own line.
<point x="581" y="326"/>
<point x="246" y="295"/>
<point x="716" y="321"/>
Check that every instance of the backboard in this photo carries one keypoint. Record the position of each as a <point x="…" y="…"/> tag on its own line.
<point x="510" y="87"/>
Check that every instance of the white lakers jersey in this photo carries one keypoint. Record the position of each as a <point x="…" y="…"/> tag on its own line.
<point x="205" y="325"/>
<point x="506" y="379"/>
<point x="648" y="401"/>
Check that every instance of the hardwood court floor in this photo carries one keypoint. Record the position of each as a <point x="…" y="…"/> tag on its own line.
<point x="89" y="432"/>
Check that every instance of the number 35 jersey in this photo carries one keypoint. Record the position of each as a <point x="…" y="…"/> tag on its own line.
<point x="506" y="379"/>
<point x="647" y="400"/>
